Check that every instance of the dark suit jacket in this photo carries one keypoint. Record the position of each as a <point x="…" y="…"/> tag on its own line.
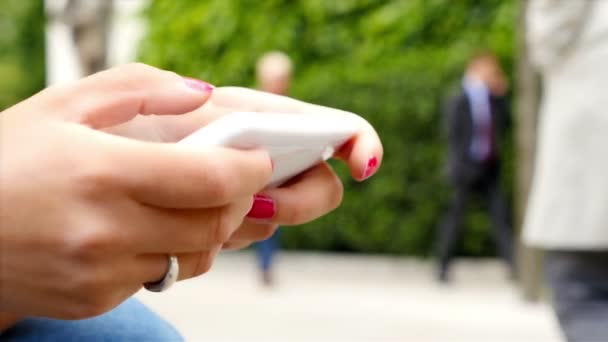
<point x="461" y="167"/>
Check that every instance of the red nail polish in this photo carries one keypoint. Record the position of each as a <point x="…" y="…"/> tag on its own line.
<point x="198" y="85"/>
<point x="370" y="168"/>
<point x="263" y="208"/>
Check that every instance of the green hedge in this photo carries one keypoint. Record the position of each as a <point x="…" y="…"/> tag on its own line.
<point x="389" y="61"/>
<point x="21" y="50"/>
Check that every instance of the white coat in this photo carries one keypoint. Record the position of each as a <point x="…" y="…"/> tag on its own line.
<point x="568" y="204"/>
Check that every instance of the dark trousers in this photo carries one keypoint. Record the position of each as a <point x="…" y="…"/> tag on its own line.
<point x="579" y="282"/>
<point x="450" y="230"/>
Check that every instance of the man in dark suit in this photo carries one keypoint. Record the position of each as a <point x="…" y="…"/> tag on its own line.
<point x="475" y="117"/>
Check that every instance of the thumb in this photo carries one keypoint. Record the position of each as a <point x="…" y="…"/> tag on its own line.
<point x="117" y="95"/>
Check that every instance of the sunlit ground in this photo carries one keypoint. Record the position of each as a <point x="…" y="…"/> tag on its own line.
<point x="325" y="297"/>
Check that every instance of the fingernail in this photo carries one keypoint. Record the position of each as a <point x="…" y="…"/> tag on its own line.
<point x="198" y="85"/>
<point x="370" y="168"/>
<point x="263" y="208"/>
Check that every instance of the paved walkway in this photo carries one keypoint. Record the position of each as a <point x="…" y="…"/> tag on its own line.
<point x="322" y="297"/>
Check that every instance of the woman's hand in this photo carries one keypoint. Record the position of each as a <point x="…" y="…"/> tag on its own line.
<point x="305" y="198"/>
<point x="87" y="216"/>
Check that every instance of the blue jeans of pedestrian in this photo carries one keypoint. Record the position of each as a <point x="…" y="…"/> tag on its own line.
<point x="130" y="321"/>
<point x="266" y="250"/>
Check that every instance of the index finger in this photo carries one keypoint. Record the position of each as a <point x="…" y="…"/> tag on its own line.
<point x="178" y="176"/>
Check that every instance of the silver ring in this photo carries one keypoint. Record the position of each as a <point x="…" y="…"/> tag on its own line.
<point x="169" y="279"/>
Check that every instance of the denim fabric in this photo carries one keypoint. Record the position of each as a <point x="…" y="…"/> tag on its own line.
<point x="266" y="250"/>
<point x="130" y="321"/>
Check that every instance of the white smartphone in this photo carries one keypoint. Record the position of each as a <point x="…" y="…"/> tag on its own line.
<point x="295" y="142"/>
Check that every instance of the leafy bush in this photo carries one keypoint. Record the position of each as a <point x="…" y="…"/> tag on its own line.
<point x="21" y="50"/>
<point x="389" y="61"/>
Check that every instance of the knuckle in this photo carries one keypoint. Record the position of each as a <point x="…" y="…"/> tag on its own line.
<point x="171" y="75"/>
<point x="135" y="73"/>
<point x="204" y="264"/>
<point x="89" y="242"/>
<point x="138" y="68"/>
<point x="221" y="228"/>
<point x="218" y="185"/>
<point x="92" y="180"/>
<point x="264" y="175"/>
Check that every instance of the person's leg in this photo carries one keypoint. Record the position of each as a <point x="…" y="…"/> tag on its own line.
<point x="501" y="229"/>
<point x="449" y="230"/>
<point x="266" y="250"/>
<point x="130" y="321"/>
<point x="579" y="281"/>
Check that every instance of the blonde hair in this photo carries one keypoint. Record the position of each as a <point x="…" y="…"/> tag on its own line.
<point x="274" y="63"/>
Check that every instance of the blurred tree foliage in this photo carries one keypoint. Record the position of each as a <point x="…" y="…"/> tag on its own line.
<point x="21" y="49"/>
<point x="390" y="61"/>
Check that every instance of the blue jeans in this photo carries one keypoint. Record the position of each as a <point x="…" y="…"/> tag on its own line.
<point x="130" y="321"/>
<point x="266" y="250"/>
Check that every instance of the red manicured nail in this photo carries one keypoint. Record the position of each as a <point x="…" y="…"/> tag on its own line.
<point x="198" y="85"/>
<point x="371" y="167"/>
<point x="263" y="208"/>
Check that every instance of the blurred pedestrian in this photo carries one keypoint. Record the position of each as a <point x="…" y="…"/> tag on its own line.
<point x="568" y="207"/>
<point x="273" y="72"/>
<point x="89" y="22"/>
<point x="476" y="116"/>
